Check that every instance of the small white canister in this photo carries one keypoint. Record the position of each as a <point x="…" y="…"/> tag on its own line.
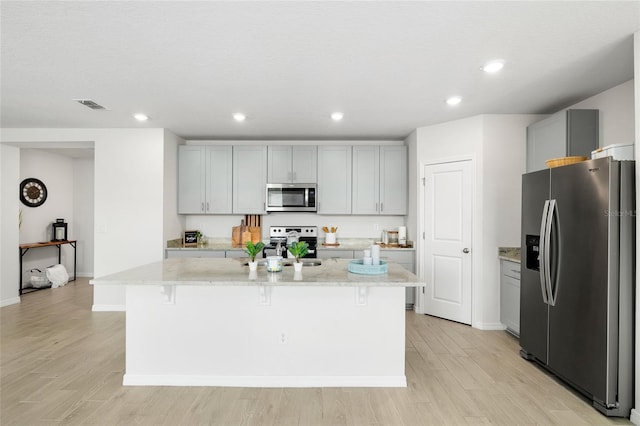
<point x="274" y="263"/>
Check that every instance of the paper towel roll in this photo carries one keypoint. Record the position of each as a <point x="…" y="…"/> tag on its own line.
<point x="402" y="235"/>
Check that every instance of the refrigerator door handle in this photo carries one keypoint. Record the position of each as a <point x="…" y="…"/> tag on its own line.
<point x="547" y="252"/>
<point x="541" y="254"/>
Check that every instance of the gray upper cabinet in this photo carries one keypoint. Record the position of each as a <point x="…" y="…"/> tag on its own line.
<point x="191" y="179"/>
<point x="292" y="164"/>
<point x="219" y="176"/>
<point x="334" y="179"/>
<point x="366" y="180"/>
<point x="204" y="179"/>
<point x="249" y="179"/>
<point x="567" y="133"/>
<point x="393" y="180"/>
<point x="379" y="180"/>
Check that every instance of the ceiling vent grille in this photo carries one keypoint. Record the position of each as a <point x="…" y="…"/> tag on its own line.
<point x="89" y="103"/>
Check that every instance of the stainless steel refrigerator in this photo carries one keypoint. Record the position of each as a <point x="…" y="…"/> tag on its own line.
<point x="577" y="282"/>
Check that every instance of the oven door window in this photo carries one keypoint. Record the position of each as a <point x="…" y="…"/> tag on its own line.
<point x="287" y="197"/>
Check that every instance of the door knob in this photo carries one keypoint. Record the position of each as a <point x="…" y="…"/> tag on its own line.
<point x="465" y="250"/>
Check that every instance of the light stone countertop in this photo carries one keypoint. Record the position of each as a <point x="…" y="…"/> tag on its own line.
<point x="509" y="253"/>
<point x="232" y="272"/>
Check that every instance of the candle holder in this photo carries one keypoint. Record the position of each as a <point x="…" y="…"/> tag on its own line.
<point x="59" y="228"/>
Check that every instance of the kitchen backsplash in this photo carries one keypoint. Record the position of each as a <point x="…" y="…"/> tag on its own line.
<point x="348" y="226"/>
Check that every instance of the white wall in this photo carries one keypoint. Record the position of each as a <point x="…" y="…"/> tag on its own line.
<point x="504" y="142"/>
<point x="413" y="185"/>
<point x="129" y="197"/>
<point x="454" y="140"/>
<point x="174" y="223"/>
<point x="56" y="172"/>
<point x="9" y="210"/>
<point x="616" y="107"/>
<point x="83" y="213"/>
<point x="496" y="144"/>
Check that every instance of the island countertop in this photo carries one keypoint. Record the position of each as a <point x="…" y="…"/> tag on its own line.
<point x="233" y="272"/>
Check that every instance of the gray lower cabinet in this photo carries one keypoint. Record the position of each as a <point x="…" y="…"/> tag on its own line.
<point x="334" y="253"/>
<point x="173" y="254"/>
<point x="510" y="296"/>
<point x="572" y="132"/>
<point x="234" y="254"/>
<point x="406" y="259"/>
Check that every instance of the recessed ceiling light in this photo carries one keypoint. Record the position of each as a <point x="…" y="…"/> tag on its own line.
<point x="454" y="100"/>
<point x="337" y="116"/>
<point x="238" y="116"/>
<point x="493" y="66"/>
<point x="140" y="117"/>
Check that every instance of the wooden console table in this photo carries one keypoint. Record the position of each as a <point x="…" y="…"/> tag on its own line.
<point x="24" y="248"/>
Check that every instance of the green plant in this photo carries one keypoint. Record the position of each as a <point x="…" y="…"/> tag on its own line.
<point x="299" y="249"/>
<point x="253" y="249"/>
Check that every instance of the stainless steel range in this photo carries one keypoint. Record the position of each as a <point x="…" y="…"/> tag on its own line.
<point x="280" y="237"/>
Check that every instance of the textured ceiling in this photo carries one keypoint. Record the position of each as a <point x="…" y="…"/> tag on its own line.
<point x="388" y="66"/>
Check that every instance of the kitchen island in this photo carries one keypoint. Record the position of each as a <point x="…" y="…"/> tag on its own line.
<point x="212" y="322"/>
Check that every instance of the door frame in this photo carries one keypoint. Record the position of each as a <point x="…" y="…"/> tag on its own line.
<point x="475" y="226"/>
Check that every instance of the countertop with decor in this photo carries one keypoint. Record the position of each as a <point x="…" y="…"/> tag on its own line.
<point x="509" y="253"/>
<point x="235" y="272"/>
<point x="343" y="244"/>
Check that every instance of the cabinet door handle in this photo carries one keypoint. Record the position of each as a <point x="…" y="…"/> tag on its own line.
<point x="376" y="207"/>
<point x="207" y="206"/>
<point x="202" y="207"/>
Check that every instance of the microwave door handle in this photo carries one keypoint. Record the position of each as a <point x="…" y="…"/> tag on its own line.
<point x="542" y="251"/>
<point x="306" y="197"/>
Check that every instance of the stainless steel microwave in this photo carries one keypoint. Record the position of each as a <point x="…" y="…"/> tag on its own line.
<point x="291" y="197"/>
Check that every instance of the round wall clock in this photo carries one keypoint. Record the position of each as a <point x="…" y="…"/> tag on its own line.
<point x="33" y="192"/>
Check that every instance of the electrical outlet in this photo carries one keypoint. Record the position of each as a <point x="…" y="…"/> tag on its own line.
<point x="283" y="338"/>
<point x="376" y="227"/>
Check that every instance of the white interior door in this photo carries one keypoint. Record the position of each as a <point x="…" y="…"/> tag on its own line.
<point x="447" y="240"/>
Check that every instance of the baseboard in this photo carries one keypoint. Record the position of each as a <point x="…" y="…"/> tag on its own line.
<point x="635" y="416"/>
<point x="8" y="302"/>
<point x="108" y="308"/>
<point x="85" y="274"/>
<point x="266" y="381"/>
<point x="489" y="326"/>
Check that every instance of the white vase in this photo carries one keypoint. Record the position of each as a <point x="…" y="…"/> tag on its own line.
<point x="253" y="266"/>
<point x="297" y="266"/>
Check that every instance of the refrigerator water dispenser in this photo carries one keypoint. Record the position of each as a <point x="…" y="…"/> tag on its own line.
<point x="532" y="256"/>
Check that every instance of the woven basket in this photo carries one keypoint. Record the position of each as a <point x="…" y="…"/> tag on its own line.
<point x="557" y="162"/>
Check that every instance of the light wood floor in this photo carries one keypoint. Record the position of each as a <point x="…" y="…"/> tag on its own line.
<point x="63" y="364"/>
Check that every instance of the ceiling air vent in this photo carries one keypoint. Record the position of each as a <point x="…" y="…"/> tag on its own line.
<point x="89" y="103"/>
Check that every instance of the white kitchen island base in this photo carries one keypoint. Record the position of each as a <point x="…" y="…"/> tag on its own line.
<point x="212" y="322"/>
<point x="265" y="336"/>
